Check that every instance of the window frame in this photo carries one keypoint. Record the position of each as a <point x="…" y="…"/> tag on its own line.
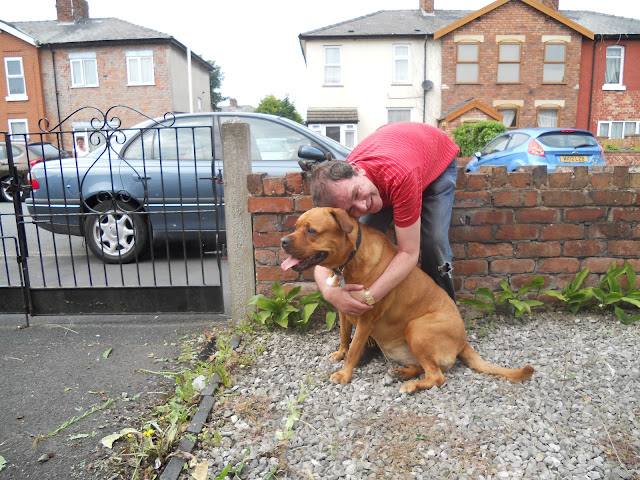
<point x="397" y="58"/>
<point x="509" y="62"/>
<point x="15" y="97"/>
<point x="137" y="56"/>
<point x="399" y="109"/>
<point x="546" y="62"/>
<point x="338" y="65"/>
<point x="609" y="124"/>
<point x="511" y="107"/>
<point x="548" y="107"/>
<point x="620" y="84"/>
<point x="18" y="137"/>
<point x="476" y="62"/>
<point x="83" y="58"/>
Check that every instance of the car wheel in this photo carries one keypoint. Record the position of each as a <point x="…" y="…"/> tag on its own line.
<point x="5" y="193"/>
<point x="118" y="233"/>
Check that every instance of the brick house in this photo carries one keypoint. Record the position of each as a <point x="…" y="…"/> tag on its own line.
<point x="520" y="61"/>
<point x="86" y="62"/>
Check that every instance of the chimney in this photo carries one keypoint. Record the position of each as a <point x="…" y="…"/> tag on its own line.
<point x="426" y="6"/>
<point x="554" y="4"/>
<point x="72" y="10"/>
<point x="233" y="103"/>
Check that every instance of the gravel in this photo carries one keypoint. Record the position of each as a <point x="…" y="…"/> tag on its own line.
<point x="577" y="418"/>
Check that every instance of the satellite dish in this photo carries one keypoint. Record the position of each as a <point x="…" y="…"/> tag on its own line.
<point x="427" y="85"/>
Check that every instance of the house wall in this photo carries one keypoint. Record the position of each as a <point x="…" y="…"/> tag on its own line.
<point x="180" y="82"/>
<point x="367" y="69"/>
<point x="504" y="226"/>
<point x="33" y="108"/>
<point x="515" y="19"/>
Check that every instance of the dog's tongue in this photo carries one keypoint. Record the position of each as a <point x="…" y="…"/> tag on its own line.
<point x="289" y="262"/>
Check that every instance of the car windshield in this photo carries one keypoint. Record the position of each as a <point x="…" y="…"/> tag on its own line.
<point x="44" y="149"/>
<point x="568" y="140"/>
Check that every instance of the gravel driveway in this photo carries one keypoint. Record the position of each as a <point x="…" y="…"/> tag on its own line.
<point x="578" y="418"/>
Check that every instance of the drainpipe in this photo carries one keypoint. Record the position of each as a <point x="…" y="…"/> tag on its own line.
<point x="424" y="94"/>
<point x="189" y="80"/>
<point x="593" y="67"/>
<point x="55" y="87"/>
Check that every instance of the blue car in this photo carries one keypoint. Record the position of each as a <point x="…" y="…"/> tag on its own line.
<point x="159" y="180"/>
<point x="551" y="147"/>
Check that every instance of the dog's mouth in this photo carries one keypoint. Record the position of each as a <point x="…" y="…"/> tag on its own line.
<point x="300" y="264"/>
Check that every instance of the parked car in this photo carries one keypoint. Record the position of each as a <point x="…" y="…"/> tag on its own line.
<point x="46" y="151"/>
<point x="159" y="182"/>
<point x="539" y="146"/>
<point x="21" y="161"/>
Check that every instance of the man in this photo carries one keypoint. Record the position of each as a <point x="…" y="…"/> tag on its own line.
<point x="406" y="172"/>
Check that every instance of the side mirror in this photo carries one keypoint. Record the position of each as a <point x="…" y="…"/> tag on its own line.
<point x="477" y="154"/>
<point x="311" y="153"/>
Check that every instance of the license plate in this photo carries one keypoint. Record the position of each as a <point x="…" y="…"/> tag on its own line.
<point x="574" y="159"/>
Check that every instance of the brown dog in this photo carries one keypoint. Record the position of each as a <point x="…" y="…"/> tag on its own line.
<point x="416" y="324"/>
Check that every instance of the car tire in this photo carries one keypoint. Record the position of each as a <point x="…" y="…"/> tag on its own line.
<point x="5" y="194"/>
<point x="118" y="233"/>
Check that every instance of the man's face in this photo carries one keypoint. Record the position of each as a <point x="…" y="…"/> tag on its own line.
<point x="357" y="195"/>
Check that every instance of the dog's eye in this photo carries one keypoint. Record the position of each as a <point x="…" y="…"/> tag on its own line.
<point x="311" y="231"/>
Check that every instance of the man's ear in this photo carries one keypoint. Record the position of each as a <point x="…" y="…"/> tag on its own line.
<point x="357" y="170"/>
<point x="343" y="218"/>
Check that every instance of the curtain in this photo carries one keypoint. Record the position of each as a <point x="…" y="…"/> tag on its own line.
<point x="548" y="118"/>
<point x="508" y="117"/>
<point x="612" y="73"/>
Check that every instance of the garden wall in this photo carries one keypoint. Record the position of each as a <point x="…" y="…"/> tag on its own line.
<point x="504" y="226"/>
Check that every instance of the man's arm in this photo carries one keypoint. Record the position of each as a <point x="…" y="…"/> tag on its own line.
<point x="340" y="298"/>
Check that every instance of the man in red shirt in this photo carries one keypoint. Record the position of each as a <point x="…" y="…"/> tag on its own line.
<point x="406" y="172"/>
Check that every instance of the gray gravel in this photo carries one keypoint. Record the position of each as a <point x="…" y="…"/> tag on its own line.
<point x="578" y="418"/>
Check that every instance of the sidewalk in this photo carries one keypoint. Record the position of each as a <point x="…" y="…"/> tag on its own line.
<point x="62" y="367"/>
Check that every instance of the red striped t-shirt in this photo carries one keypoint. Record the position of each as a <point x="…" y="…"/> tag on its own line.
<point x="402" y="159"/>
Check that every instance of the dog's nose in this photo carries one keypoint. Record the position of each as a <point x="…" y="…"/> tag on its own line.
<point x="284" y="242"/>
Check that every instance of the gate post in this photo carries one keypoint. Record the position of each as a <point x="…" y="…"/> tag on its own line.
<point x="236" y="166"/>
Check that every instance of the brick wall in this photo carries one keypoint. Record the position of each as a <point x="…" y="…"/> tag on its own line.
<point x="505" y="225"/>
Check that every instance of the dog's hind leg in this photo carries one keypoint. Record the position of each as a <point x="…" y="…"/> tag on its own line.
<point x="410" y="371"/>
<point x="432" y="377"/>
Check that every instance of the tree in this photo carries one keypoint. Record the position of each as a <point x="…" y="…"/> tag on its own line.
<point x="471" y="137"/>
<point x="215" y="82"/>
<point x="282" y="108"/>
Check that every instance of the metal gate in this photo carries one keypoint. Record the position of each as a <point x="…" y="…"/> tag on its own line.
<point x="132" y="225"/>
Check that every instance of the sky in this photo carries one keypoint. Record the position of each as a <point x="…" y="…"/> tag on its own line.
<point x="255" y="42"/>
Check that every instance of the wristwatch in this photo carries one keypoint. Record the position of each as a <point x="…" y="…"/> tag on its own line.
<point x="368" y="298"/>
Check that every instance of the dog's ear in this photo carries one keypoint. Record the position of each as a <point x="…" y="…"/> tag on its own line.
<point x="306" y="165"/>
<point x="343" y="218"/>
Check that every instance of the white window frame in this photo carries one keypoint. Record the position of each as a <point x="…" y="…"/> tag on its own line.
<point x="401" y="78"/>
<point x="16" y="97"/>
<point x="135" y="60"/>
<point x="86" y="60"/>
<point x="348" y="132"/>
<point x="609" y="126"/>
<point x="19" y="137"/>
<point x="399" y="109"/>
<point x="620" y="84"/>
<point x="328" y="65"/>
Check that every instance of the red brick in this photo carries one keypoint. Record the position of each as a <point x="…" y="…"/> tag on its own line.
<point x="459" y="251"/>
<point x="559" y="179"/>
<point x="468" y="267"/>
<point x="466" y="233"/>
<point x="538" y="249"/>
<point x="562" y="232"/>
<point x="474" y="283"/>
<point x="273" y="186"/>
<point x="626" y="214"/>
<point x="496" y="216"/>
<point x="520" y="179"/>
<point x="275" y="273"/>
<point x="609" y="230"/>
<point x="294" y="182"/>
<point x="267" y="239"/>
<point x="620" y="176"/>
<point x="266" y="223"/>
<point x="583" y="248"/>
<point x="519" y="281"/>
<point x="270" y="204"/>
<point x="578" y="215"/>
<point x="558" y="265"/>
<point x="564" y="198"/>
<point x="517" y="232"/>
<point x="601" y="180"/>
<point x="471" y="199"/>
<point x="485" y="250"/>
<point x="478" y="181"/>
<point x="290" y="222"/>
<point x="508" y="267"/>
<point x="522" y="198"/>
<point x="265" y="257"/>
<point x="612" y="197"/>
<point x="601" y="264"/>
<point x="303" y="203"/>
<point x="624" y="248"/>
<point x="538" y="215"/>
<point x="635" y="233"/>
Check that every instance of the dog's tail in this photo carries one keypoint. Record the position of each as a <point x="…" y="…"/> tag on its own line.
<point x="471" y="359"/>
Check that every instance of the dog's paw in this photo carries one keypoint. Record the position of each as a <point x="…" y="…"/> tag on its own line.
<point x="337" y="356"/>
<point x="341" y="377"/>
<point x="409" y="387"/>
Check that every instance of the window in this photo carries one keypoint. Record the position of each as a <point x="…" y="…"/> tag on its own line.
<point x="342" y="133"/>
<point x="554" y="63"/>
<point x="332" y="68"/>
<point x="398" y="115"/>
<point x="467" y="67"/>
<point x="401" y="64"/>
<point x="618" y="129"/>
<point x="548" y="117"/>
<point x="18" y="128"/>
<point x="16" y="86"/>
<point x="509" y="63"/>
<point x="510" y="116"/>
<point x="140" y="67"/>
<point x="614" y="69"/>
<point x="84" y="69"/>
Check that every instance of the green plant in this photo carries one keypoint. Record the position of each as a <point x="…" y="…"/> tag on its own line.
<point x="294" y="415"/>
<point x="611" y="292"/>
<point x="471" y="137"/>
<point x="507" y="296"/>
<point x="283" y="309"/>
<point x="572" y="294"/>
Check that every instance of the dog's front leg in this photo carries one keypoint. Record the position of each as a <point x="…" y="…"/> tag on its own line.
<point x="345" y="338"/>
<point x="363" y="330"/>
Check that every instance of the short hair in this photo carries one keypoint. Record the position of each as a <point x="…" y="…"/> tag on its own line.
<point x="330" y="171"/>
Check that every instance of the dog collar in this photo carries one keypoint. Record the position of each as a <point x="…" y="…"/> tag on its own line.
<point x="338" y="271"/>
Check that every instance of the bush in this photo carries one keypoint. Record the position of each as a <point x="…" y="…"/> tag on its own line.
<point x="471" y="137"/>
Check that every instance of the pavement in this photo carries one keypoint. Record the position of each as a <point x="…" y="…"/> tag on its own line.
<point x="61" y="367"/>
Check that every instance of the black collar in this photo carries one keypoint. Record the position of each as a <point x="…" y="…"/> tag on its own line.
<point x="338" y="271"/>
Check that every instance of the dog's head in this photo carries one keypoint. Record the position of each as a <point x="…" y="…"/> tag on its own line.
<point x="322" y="237"/>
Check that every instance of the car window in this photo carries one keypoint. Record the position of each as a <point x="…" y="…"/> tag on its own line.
<point x="518" y="139"/>
<point x="568" y="139"/>
<point x="3" y="152"/>
<point x="44" y="149"/>
<point x="498" y="144"/>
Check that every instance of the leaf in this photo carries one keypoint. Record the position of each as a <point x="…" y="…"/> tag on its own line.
<point x="3" y="463"/>
<point x="293" y="293"/>
<point x="201" y="470"/>
<point x="109" y="440"/>
<point x="278" y="290"/>
<point x="308" y="311"/>
<point x="486" y="293"/>
<point x="612" y="297"/>
<point x="330" y="319"/>
<point x="631" y="275"/>
<point x="577" y="281"/>
<point x="553" y="293"/>
<point x="620" y="314"/>
<point x="632" y="301"/>
<point x="107" y="352"/>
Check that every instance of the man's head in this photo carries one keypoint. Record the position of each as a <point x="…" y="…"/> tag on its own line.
<point x="337" y="183"/>
<point x="80" y="141"/>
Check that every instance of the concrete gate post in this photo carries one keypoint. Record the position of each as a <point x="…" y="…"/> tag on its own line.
<point x="237" y="165"/>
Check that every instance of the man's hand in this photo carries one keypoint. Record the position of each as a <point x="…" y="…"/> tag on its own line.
<point x="348" y="300"/>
